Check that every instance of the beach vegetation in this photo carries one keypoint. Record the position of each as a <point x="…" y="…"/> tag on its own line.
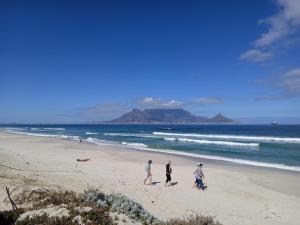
<point x="50" y="207"/>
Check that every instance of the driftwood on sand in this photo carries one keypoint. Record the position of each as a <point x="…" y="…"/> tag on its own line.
<point x="14" y="206"/>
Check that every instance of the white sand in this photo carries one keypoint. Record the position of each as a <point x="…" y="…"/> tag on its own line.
<point x="236" y="194"/>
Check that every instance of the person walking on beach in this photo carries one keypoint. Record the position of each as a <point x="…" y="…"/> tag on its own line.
<point x="148" y="173"/>
<point x="168" y="173"/>
<point x="199" y="176"/>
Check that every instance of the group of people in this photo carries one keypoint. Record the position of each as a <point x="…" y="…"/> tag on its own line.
<point x="198" y="173"/>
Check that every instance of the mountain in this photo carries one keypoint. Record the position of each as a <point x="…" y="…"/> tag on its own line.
<point x="219" y="118"/>
<point x="169" y="116"/>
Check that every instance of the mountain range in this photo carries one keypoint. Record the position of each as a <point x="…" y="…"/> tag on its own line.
<point x="167" y="116"/>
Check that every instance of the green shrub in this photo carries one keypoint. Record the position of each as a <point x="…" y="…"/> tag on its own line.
<point x="8" y="217"/>
<point x="41" y="197"/>
<point x="98" y="216"/>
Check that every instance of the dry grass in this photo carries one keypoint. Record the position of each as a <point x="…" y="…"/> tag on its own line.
<point x="42" y="197"/>
<point x="194" y="220"/>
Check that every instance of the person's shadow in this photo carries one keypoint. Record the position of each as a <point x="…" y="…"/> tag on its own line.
<point x="174" y="183"/>
<point x="156" y="182"/>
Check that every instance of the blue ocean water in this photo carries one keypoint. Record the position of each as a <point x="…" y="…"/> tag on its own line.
<point x="260" y="145"/>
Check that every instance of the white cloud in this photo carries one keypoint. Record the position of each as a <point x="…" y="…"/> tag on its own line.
<point x="282" y="27"/>
<point x="103" y="111"/>
<point x="282" y="24"/>
<point x="156" y="102"/>
<point x="255" y="55"/>
<point x="208" y="101"/>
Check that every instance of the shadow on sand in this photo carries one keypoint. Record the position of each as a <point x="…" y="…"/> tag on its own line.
<point x="156" y="182"/>
<point x="174" y="183"/>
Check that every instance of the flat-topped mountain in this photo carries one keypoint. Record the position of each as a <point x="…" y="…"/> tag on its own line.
<point x="173" y="116"/>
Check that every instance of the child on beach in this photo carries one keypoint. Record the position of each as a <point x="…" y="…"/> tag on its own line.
<point x="168" y="172"/>
<point x="148" y="172"/>
<point x="199" y="176"/>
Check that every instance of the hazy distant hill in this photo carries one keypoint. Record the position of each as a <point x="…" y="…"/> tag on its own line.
<point x="174" y="116"/>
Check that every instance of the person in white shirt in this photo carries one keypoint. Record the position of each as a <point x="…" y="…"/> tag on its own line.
<point x="148" y="172"/>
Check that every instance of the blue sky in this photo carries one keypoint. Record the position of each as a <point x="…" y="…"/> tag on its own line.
<point x="80" y="61"/>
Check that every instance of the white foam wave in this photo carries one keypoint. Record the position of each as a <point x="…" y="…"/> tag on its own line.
<point x="130" y="135"/>
<point x="14" y="128"/>
<point x="170" y="139"/>
<point x="75" y="138"/>
<point x="210" y="142"/>
<point x="54" y="128"/>
<point x="47" y="128"/>
<point x="233" y="137"/>
<point x="91" y="133"/>
<point x="138" y="145"/>
<point x="100" y="142"/>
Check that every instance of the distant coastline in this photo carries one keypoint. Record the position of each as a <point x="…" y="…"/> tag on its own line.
<point x="168" y="116"/>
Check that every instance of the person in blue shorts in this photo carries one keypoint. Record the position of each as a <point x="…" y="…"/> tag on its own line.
<point x="199" y="176"/>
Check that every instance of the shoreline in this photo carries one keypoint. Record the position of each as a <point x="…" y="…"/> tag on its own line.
<point x="220" y="159"/>
<point x="236" y="194"/>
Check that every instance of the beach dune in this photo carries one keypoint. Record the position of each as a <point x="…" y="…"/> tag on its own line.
<point x="236" y="194"/>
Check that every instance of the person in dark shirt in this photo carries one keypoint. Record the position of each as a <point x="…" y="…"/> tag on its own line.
<point x="168" y="173"/>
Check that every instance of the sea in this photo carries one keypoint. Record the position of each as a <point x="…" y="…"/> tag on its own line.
<point x="258" y="145"/>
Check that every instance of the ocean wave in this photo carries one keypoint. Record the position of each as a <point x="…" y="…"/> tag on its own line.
<point x="267" y="139"/>
<point x="130" y="135"/>
<point x="139" y="145"/>
<point x="225" y="159"/>
<point x="100" y="142"/>
<point x="210" y="142"/>
<point x="54" y="128"/>
<point x="75" y="138"/>
<point x="47" y="129"/>
<point x="14" y="128"/>
<point x="92" y="133"/>
<point x="170" y="139"/>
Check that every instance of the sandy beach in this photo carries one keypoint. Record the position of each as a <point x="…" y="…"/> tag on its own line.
<point x="236" y="194"/>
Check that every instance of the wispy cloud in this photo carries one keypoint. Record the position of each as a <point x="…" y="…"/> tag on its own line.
<point x="256" y="55"/>
<point x="157" y="102"/>
<point x="282" y="27"/>
<point x="208" y="101"/>
<point x="99" y="112"/>
<point x="287" y="85"/>
<point x="290" y="82"/>
<point x="104" y="107"/>
<point x="270" y="97"/>
<point x="104" y="111"/>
